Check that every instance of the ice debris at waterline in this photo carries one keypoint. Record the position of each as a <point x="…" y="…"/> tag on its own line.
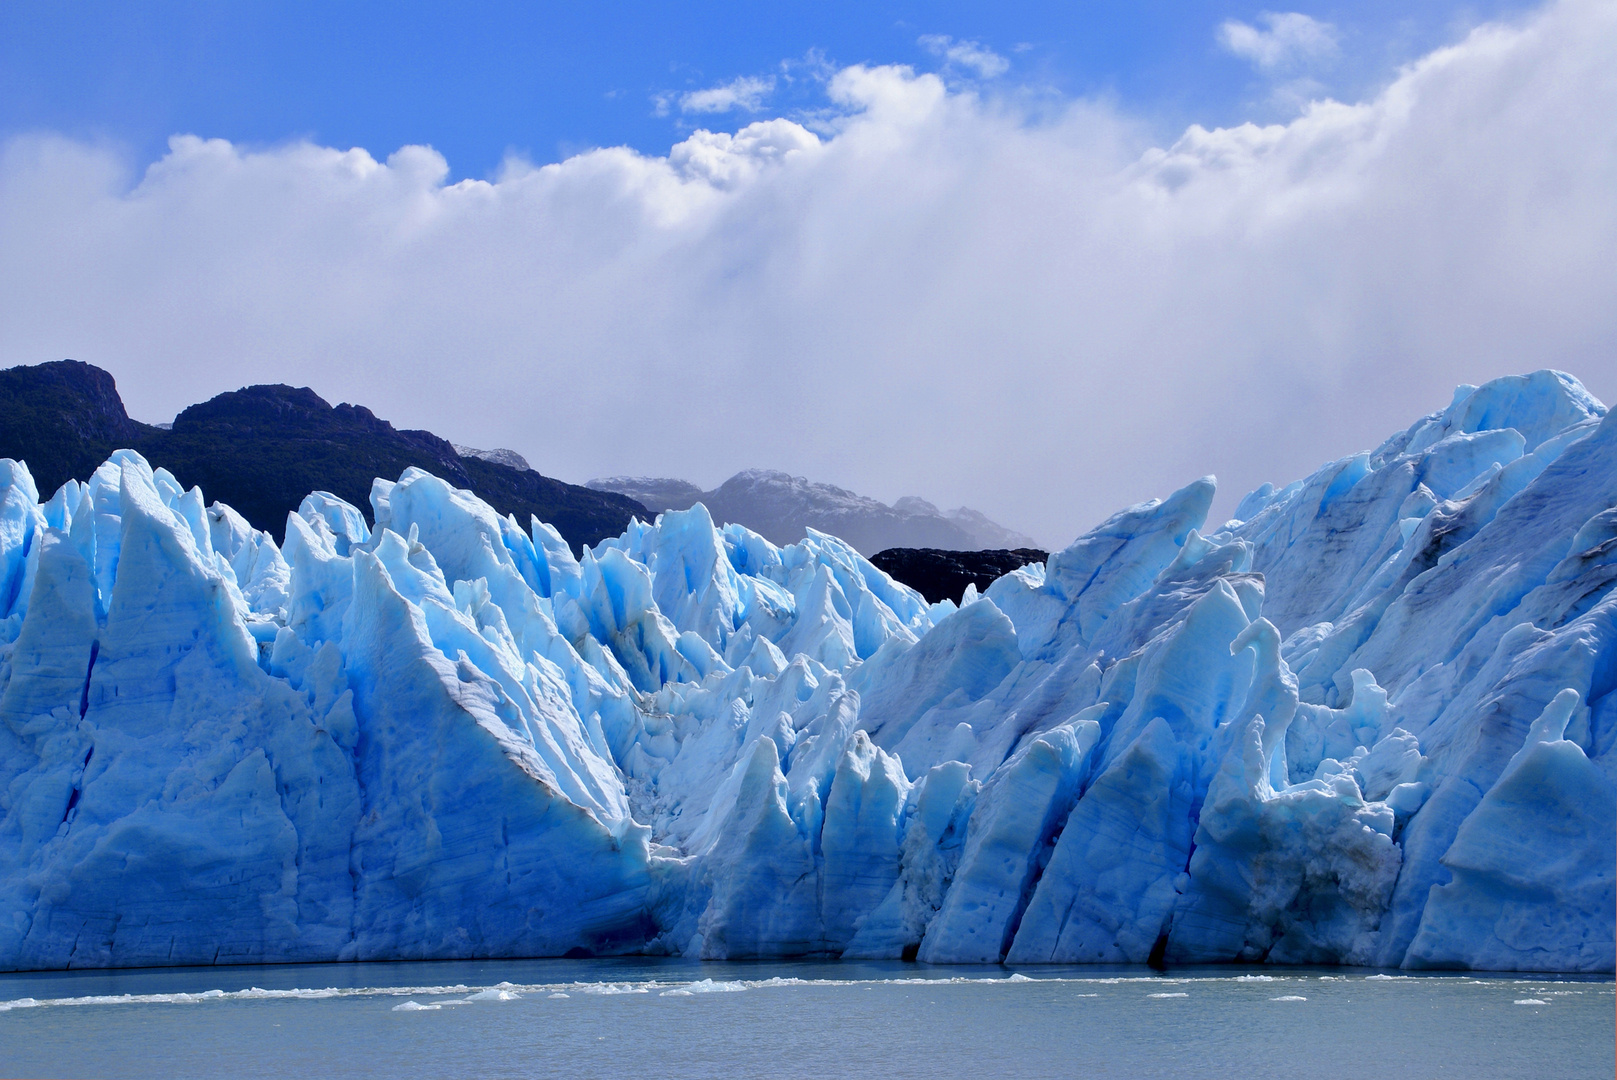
<point x="1369" y="722"/>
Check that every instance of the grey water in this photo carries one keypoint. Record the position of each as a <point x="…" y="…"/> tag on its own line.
<point x="647" y="1018"/>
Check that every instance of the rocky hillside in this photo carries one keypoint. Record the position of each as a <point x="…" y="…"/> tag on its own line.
<point x="943" y="575"/>
<point x="261" y="449"/>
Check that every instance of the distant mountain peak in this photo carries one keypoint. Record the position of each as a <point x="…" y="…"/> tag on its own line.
<point x="499" y="456"/>
<point x="914" y="504"/>
<point x="781" y="506"/>
<point x="655" y="492"/>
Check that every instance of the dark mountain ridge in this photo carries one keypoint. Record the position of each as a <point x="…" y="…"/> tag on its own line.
<point x="261" y="449"/>
<point x="944" y="575"/>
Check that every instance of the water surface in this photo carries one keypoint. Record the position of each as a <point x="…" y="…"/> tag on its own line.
<point x="648" y="1018"/>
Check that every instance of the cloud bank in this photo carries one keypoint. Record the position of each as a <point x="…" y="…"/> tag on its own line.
<point x="940" y="293"/>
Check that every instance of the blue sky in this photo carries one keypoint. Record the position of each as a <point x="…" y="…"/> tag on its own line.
<point x="1041" y="260"/>
<point x="477" y="81"/>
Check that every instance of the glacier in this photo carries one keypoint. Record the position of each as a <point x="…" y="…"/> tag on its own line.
<point x="1368" y="721"/>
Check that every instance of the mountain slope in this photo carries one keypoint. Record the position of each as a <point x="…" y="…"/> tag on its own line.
<point x="943" y="575"/>
<point x="261" y="449"/>
<point x="64" y="418"/>
<point x="780" y="507"/>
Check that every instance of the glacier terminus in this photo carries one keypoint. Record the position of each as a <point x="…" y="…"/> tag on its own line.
<point x="1369" y="721"/>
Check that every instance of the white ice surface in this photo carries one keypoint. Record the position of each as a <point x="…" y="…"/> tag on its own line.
<point x="1369" y="721"/>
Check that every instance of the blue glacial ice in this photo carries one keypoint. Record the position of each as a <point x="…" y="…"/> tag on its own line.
<point x="1369" y="721"/>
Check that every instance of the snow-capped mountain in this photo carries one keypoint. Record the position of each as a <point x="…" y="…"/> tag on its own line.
<point x="781" y="508"/>
<point x="1370" y="721"/>
<point x="501" y="456"/>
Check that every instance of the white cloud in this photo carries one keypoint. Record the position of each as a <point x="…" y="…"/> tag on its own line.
<point x="1292" y="40"/>
<point x="971" y="55"/>
<point x="1044" y="319"/>
<point x="726" y="161"/>
<point x="746" y="94"/>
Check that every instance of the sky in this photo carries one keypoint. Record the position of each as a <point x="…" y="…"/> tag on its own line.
<point x="1045" y="260"/>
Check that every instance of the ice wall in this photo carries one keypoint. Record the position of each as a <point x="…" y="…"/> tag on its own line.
<point x="1369" y="721"/>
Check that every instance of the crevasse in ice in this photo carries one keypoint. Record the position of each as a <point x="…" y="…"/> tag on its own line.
<point x="1370" y="721"/>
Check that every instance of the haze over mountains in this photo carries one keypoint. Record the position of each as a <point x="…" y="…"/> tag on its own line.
<point x="779" y="506"/>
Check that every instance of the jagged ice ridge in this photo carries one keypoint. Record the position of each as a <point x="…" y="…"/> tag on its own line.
<point x="1369" y="721"/>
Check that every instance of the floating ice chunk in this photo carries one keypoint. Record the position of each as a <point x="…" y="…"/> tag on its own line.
<point x="705" y="986"/>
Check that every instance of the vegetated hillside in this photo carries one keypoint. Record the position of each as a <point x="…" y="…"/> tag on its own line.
<point x="943" y="575"/>
<point x="781" y="507"/>
<point x="261" y="449"/>
<point x="63" y="418"/>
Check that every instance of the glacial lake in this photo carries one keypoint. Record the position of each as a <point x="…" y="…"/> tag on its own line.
<point x="646" y="1018"/>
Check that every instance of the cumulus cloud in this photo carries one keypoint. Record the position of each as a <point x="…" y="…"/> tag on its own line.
<point x="1291" y="40"/>
<point x="1041" y="316"/>
<point x="744" y="94"/>
<point x="970" y="55"/>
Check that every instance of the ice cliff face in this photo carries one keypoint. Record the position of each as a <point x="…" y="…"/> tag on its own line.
<point x="1369" y="722"/>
